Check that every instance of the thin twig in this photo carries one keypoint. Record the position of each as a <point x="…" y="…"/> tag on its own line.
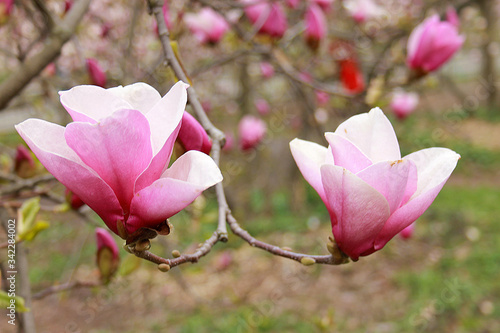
<point x="63" y="287"/>
<point x="21" y="184"/>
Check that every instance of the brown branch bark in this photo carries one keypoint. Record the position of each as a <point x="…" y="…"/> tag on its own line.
<point x="31" y="67"/>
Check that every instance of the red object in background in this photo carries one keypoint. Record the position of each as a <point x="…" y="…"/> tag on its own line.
<point x="67" y="5"/>
<point x="351" y="77"/>
<point x="24" y="164"/>
<point x="96" y="74"/>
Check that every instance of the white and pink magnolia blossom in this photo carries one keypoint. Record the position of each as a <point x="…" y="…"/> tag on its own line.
<point x="403" y="103"/>
<point x="432" y="43"/>
<point x="363" y="10"/>
<point x="252" y="130"/>
<point x="115" y="154"/>
<point x="207" y="25"/>
<point x="371" y="193"/>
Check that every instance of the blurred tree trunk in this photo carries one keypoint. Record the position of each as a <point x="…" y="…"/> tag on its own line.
<point x="489" y="69"/>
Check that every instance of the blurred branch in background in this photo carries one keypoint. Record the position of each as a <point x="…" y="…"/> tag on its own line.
<point x="31" y="67"/>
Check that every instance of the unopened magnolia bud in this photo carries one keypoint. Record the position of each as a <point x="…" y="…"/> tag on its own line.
<point x="307" y="261"/>
<point x="143" y="245"/>
<point x="176" y="254"/>
<point x="163" y="267"/>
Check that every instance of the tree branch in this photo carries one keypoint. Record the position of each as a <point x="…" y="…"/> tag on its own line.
<point x="28" y="70"/>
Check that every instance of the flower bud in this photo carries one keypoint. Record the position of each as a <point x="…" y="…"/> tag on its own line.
<point x="208" y="26"/>
<point x="192" y="136"/>
<point x="96" y="74"/>
<point x="315" y="26"/>
<point x="107" y="254"/>
<point x="24" y="164"/>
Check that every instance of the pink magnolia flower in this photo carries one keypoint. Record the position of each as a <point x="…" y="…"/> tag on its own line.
<point x="268" y="17"/>
<point x="408" y="231"/>
<point x="431" y="44"/>
<point x="266" y="69"/>
<point x="252" y="131"/>
<point x="404" y="103"/>
<point x="315" y="26"/>
<point x="208" y="26"/>
<point x="115" y="153"/>
<point x="262" y="106"/>
<point x="370" y="191"/>
<point x="96" y="74"/>
<point x="363" y="10"/>
<point x="192" y="136"/>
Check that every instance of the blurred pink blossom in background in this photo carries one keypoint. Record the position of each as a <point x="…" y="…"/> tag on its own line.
<point x="363" y="10"/>
<point x="207" y="25"/>
<point x="96" y="74"/>
<point x="267" y="17"/>
<point x="262" y="106"/>
<point x="407" y="232"/>
<point x="371" y="193"/>
<point x="266" y="69"/>
<point x="252" y="130"/>
<point x="325" y="5"/>
<point x="315" y="26"/>
<point x="404" y="103"/>
<point x="432" y="43"/>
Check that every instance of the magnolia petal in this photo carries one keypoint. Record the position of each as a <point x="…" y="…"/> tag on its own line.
<point x="158" y="164"/>
<point x="47" y="141"/>
<point x="346" y="154"/>
<point x="118" y="149"/>
<point x="373" y="134"/>
<point x="390" y="179"/>
<point x="309" y="157"/>
<point x="434" y="166"/>
<point x="91" y="103"/>
<point x="358" y="211"/>
<point x="166" y="114"/>
<point x="141" y="96"/>
<point x="186" y="179"/>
